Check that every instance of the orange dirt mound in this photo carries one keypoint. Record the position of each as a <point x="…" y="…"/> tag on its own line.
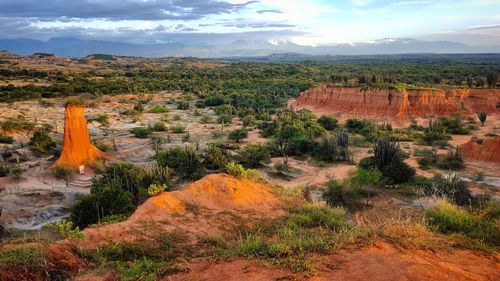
<point x="392" y="103"/>
<point x="77" y="148"/>
<point x="487" y="151"/>
<point x="204" y="207"/>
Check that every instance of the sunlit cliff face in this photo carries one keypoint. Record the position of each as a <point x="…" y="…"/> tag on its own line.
<point x="77" y="148"/>
<point x="392" y="103"/>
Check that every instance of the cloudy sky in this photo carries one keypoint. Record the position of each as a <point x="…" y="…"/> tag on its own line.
<point x="305" y="22"/>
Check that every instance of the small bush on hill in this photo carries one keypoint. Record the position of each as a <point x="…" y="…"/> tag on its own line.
<point x="453" y="161"/>
<point x="62" y="172"/>
<point x="215" y="156"/>
<point x="448" y="218"/>
<point x="159" y="108"/>
<point x="141" y="132"/>
<point x="328" y="122"/>
<point x="178" y="128"/>
<point x="156" y="188"/>
<point x="185" y="162"/>
<point x="238" y="134"/>
<point x="253" y="155"/>
<point x="398" y="172"/>
<point x="41" y="142"/>
<point x="237" y="170"/>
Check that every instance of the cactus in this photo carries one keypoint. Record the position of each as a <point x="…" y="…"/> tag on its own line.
<point x="343" y="139"/>
<point x="386" y="152"/>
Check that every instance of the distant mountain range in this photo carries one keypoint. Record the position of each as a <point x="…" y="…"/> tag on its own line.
<point x="223" y="47"/>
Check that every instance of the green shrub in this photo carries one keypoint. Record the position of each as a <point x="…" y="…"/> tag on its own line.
<point x="62" y="172"/>
<point x="17" y="124"/>
<point x="254" y="155"/>
<point x="453" y="124"/>
<point x="160" y="127"/>
<point x="425" y="162"/>
<point x="141" y="132"/>
<point x="450" y="187"/>
<point x="364" y="177"/>
<point x="248" y="120"/>
<point x="328" y="122"/>
<point x="28" y="255"/>
<point x="6" y="139"/>
<point x="183" y="105"/>
<point x="224" y="119"/>
<point x="178" y="128"/>
<point x="159" y="108"/>
<point x="103" y="119"/>
<point x="41" y="142"/>
<point x="368" y="163"/>
<point x="453" y="161"/>
<point x="185" y="162"/>
<point x="398" y="172"/>
<point x="156" y="188"/>
<point x="448" y="218"/>
<point x="102" y="146"/>
<point x="101" y="202"/>
<point x="66" y="229"/>
<point x="5" y="170"/>
<point x="356" y="125"/>
<point x="237" y="170"/>
<point x="238" y="134"/>
<point x="215" y="156"/>
<point x="338" y="194"/>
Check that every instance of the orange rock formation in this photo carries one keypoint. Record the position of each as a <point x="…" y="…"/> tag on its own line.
<point x="77" y="149"/>
<point x="392" y="103"/>
<point x="487" y="151"/>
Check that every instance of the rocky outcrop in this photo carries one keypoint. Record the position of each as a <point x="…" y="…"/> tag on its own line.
<point x="487" y="150"/>
<point x="77" y="148"/>
<point x="393" y="103"/>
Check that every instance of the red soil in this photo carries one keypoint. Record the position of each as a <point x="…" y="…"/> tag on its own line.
<point x="379" y="262"/>
<point x="77" y="149"/>
<point x="487" y="151"/>
<point x="392" y="103"/>
<point x="205" y="207"/>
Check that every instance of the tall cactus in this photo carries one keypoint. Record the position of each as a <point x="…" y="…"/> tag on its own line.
<point x="386" y="152"/>
<point x="343" y="143"/>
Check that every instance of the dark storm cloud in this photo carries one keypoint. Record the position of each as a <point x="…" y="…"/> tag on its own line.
<point x="118" y="9"/>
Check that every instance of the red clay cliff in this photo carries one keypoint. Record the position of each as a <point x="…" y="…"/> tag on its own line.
<point x="393" y="103"/>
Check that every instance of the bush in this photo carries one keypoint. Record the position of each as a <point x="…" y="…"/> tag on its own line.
<point x="448" y="218"/>
<point x="339" y="194"/>
<point x="398" y="172"/>
<point x="215" y="157"/>
<point x="453" y="161"/>
<point x="238" y="134"/>
<point x="237" y="170"/>
<point x="5" y="170"/>
<point x="62" y="172"/>
<point x="328" y="122"/>
<point x="141" y="132"/>
<point x="364" y="177"/>
<point x="156" y="188"/>
<point x="450" y="187"/>
<point x="6" y="139"/>
<point x="159" y="108"/>
<point x="185" y="162"/>
<point x="178" y="128"/>
<point x="159" y="127"/>
<point x="17" y="124"/>
<point x="368" y="163"/>
<point x="103" y="119"/>
<point x="41" y="142"/>
<point x="183" y="105"/>
<point x="253" y="155"/>
<point x="425" y="162"/>
<point x="102" y="146"/>
<point x="356" y="125"/>
<point x="100" y="203"/>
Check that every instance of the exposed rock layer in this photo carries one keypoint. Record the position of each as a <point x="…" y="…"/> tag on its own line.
<point x="486" y="151"/>
<point x="392" y="103"/>
<point x="77" y="148"/>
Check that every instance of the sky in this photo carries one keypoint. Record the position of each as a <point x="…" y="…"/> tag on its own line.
<point x="304" y="22"/>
